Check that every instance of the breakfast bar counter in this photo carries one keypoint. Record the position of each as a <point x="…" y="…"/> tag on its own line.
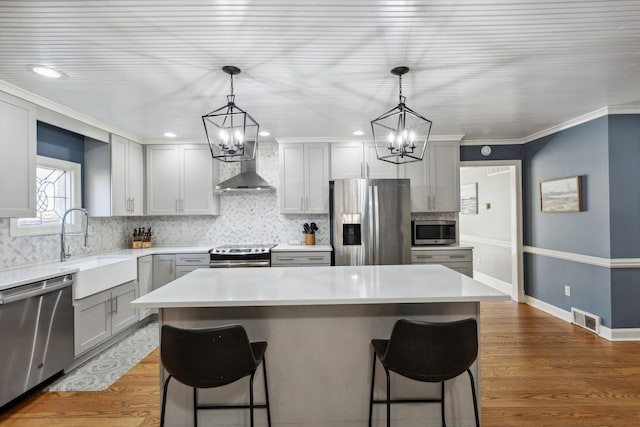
<point x="318" y="322"/>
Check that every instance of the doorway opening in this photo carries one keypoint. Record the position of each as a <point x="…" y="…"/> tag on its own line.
<point x="490" y="221"/>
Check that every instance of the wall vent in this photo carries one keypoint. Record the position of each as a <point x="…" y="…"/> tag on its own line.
<point x="588" y="321"/>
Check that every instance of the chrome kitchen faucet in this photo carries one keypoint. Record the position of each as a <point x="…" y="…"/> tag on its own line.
<point x="64" y="255"/>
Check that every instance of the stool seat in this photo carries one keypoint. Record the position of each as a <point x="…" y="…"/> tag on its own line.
<point x="212" y="357"/>
<point x="427" y="352"/>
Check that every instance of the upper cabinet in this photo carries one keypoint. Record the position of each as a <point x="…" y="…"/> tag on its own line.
<point x="114" y="177"/>
<point x="127" y="177"/>
<point x="359" y="160"/>
<point x="181" y="180"/>
<point x="435" y="181"/>
<point x="18" y="161"/>
<point x="304" y="178"/>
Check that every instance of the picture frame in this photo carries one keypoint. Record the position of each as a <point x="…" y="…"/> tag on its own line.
<point x="561" y="195"/>
<point x="469" y="199"/>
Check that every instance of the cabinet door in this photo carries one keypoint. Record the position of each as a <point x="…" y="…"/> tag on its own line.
<point x="418" y="173"/>
<point x="292" y="171"/>
<point x="375" y="168"/>
<point x="145" y="281"/>
<point x="196" y="184"/>
<point x="316" y="171"/>
<point x="135" y="178"/>
<point x="119" y="172"/>
<point x="163" y="179"/>
<point x="122" y="314"/>
<point x="92" y="321"/>
<point x="444" y="176"/>
<point x="164" y="270"/>
<point x="18" y="159"/>
<point x="347" y="160"/>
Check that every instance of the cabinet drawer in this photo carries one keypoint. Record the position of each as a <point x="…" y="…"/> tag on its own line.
<point x="300" y="259"/>
<point x="192" y="259"/>
<point x="439" y="257"/>
<point x="465" y="268"/>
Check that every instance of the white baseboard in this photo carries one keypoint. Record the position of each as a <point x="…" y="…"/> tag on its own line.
<point x="500" y="285"/>
<point x="620" y="334"/>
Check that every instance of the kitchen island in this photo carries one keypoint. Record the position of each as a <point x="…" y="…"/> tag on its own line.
<point x="318" y="322"/>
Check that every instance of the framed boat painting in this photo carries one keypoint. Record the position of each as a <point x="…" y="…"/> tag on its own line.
<point x="561" y="195"/>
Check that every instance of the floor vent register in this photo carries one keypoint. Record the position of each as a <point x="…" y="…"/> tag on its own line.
<point x="588" y="321"/>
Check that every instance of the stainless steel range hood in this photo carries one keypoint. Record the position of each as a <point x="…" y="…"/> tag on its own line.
<point x="246" y="180"/>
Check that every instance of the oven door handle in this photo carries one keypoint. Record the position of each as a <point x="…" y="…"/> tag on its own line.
<point x="230" y="264"/>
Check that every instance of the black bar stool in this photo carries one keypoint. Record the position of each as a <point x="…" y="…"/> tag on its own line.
<point x="212" y="357"/>
<point x="427" y="352"/>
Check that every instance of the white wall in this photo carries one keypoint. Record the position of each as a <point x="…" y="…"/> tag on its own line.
<point x="489" y="231"/>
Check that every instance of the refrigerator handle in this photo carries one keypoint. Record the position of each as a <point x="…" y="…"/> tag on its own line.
<point x="371" y="225"/>
<point x="376" y="224"/>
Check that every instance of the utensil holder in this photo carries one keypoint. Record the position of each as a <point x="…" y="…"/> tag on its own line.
<point x="310" y="239"/>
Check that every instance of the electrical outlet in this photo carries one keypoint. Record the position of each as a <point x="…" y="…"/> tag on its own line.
<point x="183" y="227"/>
<point x="567" y="290"/>
<point x="478" y="261"/>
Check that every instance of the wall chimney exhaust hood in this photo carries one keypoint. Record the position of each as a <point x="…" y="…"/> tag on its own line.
<point x="247" y="179"/>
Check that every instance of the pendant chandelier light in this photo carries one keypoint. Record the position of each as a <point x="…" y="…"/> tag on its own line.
<point x="228" y="129"/>
<point x="400" y="135"/>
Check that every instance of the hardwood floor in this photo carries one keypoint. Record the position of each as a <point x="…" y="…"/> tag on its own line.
<point x="536" y="371"/>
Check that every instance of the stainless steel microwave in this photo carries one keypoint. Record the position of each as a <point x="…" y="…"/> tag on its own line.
<point x="433" y="232"/>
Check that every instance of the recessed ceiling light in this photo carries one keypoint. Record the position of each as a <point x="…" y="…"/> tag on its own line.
<point x="264" y="133"/>
<point x="45" y="71"/>
<point x="169" y="134"/>
<point x="358" y="133"/>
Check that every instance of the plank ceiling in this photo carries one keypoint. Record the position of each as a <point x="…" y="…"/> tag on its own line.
<point x="488" y="69"/>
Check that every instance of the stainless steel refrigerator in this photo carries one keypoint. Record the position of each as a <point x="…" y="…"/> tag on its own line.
<point x="370" y="221"/>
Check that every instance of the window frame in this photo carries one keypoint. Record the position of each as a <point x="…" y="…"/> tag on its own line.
<point x="73" y="220"/>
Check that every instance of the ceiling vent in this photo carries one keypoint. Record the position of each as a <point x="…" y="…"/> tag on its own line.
<point x="588" y="321"/>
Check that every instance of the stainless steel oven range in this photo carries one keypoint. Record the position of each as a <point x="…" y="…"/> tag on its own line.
<point x="240" y="256"/>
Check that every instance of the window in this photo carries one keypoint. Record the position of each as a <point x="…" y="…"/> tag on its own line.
<point x="58" y="189"/>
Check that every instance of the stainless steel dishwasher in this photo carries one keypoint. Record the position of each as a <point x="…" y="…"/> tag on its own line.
<point x="36" y="332"/>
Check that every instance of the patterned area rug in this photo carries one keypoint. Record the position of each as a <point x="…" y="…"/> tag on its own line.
<point x="99" y="372"/>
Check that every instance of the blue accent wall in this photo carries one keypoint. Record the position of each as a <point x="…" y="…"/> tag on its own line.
<point x="590" y="285"/>
<point x="624" y="179"/>
<point x="581" y="150"/>
<point x="498" y="152"/>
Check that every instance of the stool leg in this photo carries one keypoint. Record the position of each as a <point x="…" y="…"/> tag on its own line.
<point x="373" y="380"/>
<point x="388" y="397"/>
<point x="195" y="407"/>
<point x="164" y="400"/>
<point x="266" y="390"/>
<point x="444" y="423"/>
<point x="251" y="397"/>
<point x="475" y="401"/>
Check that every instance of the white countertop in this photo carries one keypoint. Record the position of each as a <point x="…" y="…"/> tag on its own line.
<point x="373" y="284"/>
<point x="34" y="273"/>
<point x="285" y="247"/>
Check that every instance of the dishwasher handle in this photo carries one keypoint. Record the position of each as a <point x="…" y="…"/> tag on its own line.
<point x="42" y="288"/>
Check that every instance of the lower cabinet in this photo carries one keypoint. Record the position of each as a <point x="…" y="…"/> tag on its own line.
<point x="145" y="279"/>
<point x="164" y="270"/>
<point x="460" y="260"/>
<point x="186" y="263"/>
<point x="300" y="259"/>
<point x="102" y="315"/>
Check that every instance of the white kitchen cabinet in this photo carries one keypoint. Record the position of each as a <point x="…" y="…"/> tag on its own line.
<point x="186" y="263"/>
<point x="18" y="159"/>
<point x="127" y="177"/>
<point x="435" y="181"/>
<point x="458" y="259"/>
<point x="164" y="269"/>
<point x="304" y="178"/>
<point x="359" y="160"/>
<point x="102" y="315"/>
<point x="145" y="281"/>
<point x="301" y="259"/>
<point x="181" y="180"/>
